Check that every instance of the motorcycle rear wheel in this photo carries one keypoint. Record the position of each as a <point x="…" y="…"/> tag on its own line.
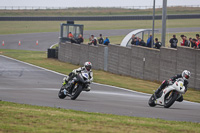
<point x="61" y="94"/>
<point x="170" y="98"/>
<point x="151" y="101"/>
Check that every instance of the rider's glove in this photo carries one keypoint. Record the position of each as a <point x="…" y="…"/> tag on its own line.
<point x="75" y="72"/>
<point x="88" y="81"/>
<point x="170" y="82"/>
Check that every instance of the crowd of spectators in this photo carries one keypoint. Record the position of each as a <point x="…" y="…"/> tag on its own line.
<point x="92" y="40"/>
<point x="192" y="42"/>
<point x="140" y="42"/>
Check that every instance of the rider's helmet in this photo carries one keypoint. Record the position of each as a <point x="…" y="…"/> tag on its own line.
<point x="88" y="65"/>
<point x="186" y="74"/>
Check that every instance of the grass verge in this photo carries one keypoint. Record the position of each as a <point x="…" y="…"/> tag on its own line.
<point x="98" y="11"/>
<point x="17" y="27"/>
<point x="40" y="59"/>
<point x="27" y="118"/>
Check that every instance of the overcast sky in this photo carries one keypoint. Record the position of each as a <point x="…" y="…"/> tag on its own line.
<point x="93" y="3"/>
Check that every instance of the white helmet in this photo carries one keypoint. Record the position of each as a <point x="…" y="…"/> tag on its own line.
<point x="186" y="74"/>
<point x="88" y="65"/>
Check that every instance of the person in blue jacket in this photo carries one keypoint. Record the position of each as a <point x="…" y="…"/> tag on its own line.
<point x="149" y="40"/>
<point x="106" y="41"/>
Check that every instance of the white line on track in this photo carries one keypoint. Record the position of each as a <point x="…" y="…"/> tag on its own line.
<point x="91" y="92"/>
<point x="92" y="83"/>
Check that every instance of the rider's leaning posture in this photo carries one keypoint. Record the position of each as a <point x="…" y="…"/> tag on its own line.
<point x="87" y="69"/>
<point x="185" y="76"/>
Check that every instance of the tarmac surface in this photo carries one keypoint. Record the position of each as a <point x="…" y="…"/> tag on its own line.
<point x="24" y="83"/>
<point x="45" y="40"/>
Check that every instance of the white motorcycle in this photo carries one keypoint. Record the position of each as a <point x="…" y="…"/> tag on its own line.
<point x="169" y="95"/>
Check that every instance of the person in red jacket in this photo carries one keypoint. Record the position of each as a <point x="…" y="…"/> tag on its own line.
<point x="183" y="42"/>
<point x="198" y="44"/>
<point x="198" y="41"/>
<point x="70" y="35"/>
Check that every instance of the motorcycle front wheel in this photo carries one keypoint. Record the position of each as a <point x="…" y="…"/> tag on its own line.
<point x="76" y="91"/>
<point x="61" y="94"/>
<point x="170" y="98"/>
<point x="151" y="101"/>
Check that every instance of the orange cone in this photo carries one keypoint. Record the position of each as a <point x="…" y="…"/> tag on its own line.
<point x="37" y="42"/>
<point x="19" y="43"/>
<point x="3" y="43"/>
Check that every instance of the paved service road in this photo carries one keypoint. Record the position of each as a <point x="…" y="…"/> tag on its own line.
<point x="28" y="41"/>
<point x="27" y="84"/>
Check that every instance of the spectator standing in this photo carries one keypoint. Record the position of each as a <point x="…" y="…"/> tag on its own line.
<point x="198" y="40"/>
<point x="70" y="35"/>
<point x="79" y="40"/>
<point x="137" y="40"/>
<point x="157" y="44"/>
<point x="149" y="41"/>
<point x="186" y="42"/>
<point x="198" y="46"/>
<point x="183" y="41"/>
<point x="194" y="43"/>
<point x="106" y="41"/>
<point x="190" y="41"/>
<point x="93" y="40"/>
<point x="141" y="42"/>
<point x="100" y="40"/>
<point x="197" y="36"/>
<point x="134" y="39"/>
<point x="134" y="42"/>
<point x="173" y="42"/>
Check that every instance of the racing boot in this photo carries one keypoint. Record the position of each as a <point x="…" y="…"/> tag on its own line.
<point x="65" y="80"/>
<point x="157" y="92"/>
<point x="87" y="88"/>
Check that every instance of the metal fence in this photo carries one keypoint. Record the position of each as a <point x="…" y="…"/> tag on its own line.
<point x="59" y="8"/>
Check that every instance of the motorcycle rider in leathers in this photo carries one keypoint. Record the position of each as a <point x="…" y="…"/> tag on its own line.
<point x="87" y="69"/>
<point x="185" y="75"/>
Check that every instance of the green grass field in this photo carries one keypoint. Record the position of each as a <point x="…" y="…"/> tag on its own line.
<point x="98" y="11"/>
<point x="20" y="118"/>
<point x="17" y="27"/>
<point x="40" y="59"/>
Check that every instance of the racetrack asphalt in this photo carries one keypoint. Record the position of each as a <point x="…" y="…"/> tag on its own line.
<point x="45" y="40"/>
<point x="28" y="84"/>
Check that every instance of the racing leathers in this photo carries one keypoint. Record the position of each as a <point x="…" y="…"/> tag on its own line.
<point x="165" y="83"/>
<point x="71" y="80"/>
